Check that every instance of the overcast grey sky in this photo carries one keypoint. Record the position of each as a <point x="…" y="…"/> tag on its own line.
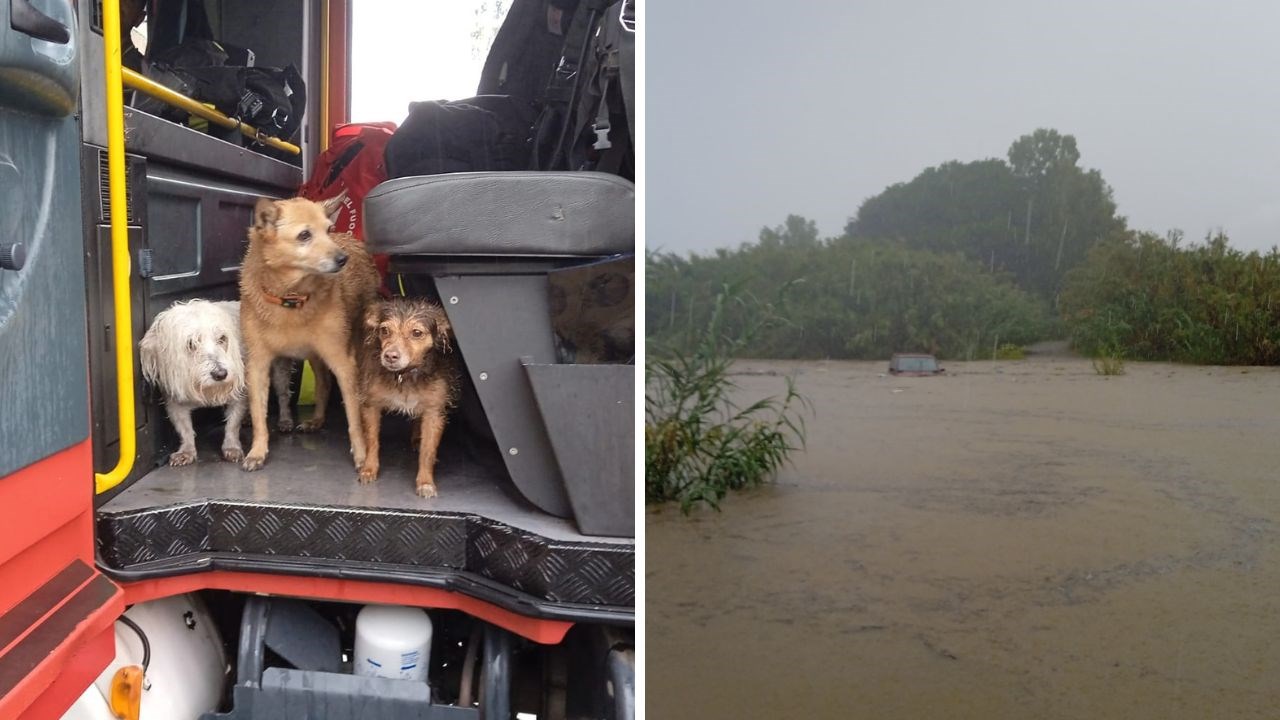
<point x="756" y="110"/>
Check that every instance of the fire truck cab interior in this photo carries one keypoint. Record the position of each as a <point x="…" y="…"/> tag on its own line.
<point x="241" y="593"/>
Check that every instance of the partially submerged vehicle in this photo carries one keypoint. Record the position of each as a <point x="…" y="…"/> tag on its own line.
<point x="128" y="586"/>
<point x="914" y="365"/>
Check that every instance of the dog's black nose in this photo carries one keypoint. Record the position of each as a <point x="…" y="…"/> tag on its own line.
<point x="341" y="259"/>
<point x="219" y="374"/>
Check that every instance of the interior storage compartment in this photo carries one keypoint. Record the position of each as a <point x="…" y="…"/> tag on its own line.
<point x="276" y="32"/>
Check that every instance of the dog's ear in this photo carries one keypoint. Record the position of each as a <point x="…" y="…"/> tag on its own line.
<point x="265" y="214"/>
<point x="372" y="317"/>
<point x="149" y="356"/>
<point x="440" y="338"/>
<point x="333" y="204"/>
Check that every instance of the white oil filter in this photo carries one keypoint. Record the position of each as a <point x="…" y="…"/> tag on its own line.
<point x="392" y="641"/>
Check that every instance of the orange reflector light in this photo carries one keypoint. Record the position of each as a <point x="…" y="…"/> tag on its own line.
<point x="126" y="692"/>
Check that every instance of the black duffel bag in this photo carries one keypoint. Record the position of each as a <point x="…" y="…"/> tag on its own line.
<point x="272" y="100"/>
<point x="487" y="132"/>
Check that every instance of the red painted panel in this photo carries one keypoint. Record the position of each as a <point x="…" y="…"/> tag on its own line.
<point x="339" y="64"/>
<point x="80" y="670"/>
<point x="536" y="629"/>
<point x="31" y="568"/>
<point x="46" y="522"/>
<point x="72" y="664"/>
<point x="46" y="512"/>
<point x="42" y="497"/>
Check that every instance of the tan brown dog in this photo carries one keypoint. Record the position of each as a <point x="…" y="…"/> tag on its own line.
<point x="303" y="293"/>
<point x="407" y="366"/>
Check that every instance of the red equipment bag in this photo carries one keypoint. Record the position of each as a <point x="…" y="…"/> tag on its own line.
<point x="355" y="162"/>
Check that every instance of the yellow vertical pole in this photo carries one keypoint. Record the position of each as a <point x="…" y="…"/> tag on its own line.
<point x="307" y="386"/>
<point x="120" y="261"/>
<point x="324" y="75"/>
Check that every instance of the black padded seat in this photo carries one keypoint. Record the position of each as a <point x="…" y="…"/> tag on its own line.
<point x="502" y="213"/>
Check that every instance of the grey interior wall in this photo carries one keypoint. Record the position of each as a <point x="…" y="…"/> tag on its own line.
<point x="272" y="30"/>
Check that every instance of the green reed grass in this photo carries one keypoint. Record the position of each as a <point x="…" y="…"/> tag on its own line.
<point x="1010" y="352"/>
<point x="699" y="442"/>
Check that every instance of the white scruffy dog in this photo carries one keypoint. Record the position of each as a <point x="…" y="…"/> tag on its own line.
<point x="192" y="352"/>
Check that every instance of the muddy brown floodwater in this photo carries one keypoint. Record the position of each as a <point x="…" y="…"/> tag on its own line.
<point x="1013" y="540"/>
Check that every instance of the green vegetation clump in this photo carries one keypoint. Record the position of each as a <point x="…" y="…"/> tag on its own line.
<point x="1010" y="352"/>
<point x="844" y="298"/>
<point x="1108" y="359"/>
<point x="699" y="443"/>
<point x="1108" y="365"/>
<point x="1150" y="298"/>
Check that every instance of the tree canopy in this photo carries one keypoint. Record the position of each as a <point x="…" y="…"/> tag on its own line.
<point x="1034" y="215"/>
<point x="1042" y="152"/>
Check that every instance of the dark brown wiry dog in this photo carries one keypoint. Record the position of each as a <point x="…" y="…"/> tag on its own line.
<point x="407" y="366"/>
<point x="303" y="292"/>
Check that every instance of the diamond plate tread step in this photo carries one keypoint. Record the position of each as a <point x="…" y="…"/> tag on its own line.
<point x="467" y="552"/>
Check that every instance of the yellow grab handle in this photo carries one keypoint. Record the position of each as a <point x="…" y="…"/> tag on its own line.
<point x="123" y="335"/>
<point x="143" y="84"/>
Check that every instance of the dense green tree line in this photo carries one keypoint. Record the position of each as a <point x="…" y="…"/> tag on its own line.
<point x="968" y="256"/>
<point x="1151" y="298"/>
<point x="841" y="298"/>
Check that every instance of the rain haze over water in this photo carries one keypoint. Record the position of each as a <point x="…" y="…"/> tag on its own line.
<point x="759" y="110"/>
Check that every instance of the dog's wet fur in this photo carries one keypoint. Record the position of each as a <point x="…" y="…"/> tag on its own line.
<point x="293" y="252"/>
<point x="406" y="365"/>
<point x="192" y="354"/>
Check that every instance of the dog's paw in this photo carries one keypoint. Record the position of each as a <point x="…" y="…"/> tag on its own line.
<point x="253" y="462"/>
<point x="427" y="491"/>
<point x="286" y="425"/>
<point x="232" y="454"/>
<point x="310" y="426"/>
<point x="367" y="474"/>
<point x="182" y="457"/>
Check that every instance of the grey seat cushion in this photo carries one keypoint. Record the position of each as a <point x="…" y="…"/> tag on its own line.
<point x="502" y="213"/>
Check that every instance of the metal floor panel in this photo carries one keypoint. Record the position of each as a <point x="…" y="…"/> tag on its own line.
<point x="304" y="511"/>
<point x="317" y="470"/>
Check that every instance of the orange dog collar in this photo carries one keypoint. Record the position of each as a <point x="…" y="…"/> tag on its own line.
<point x="291" y="301"/>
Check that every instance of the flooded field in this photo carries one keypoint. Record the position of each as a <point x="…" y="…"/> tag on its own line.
<point x="1013" y="540"/>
